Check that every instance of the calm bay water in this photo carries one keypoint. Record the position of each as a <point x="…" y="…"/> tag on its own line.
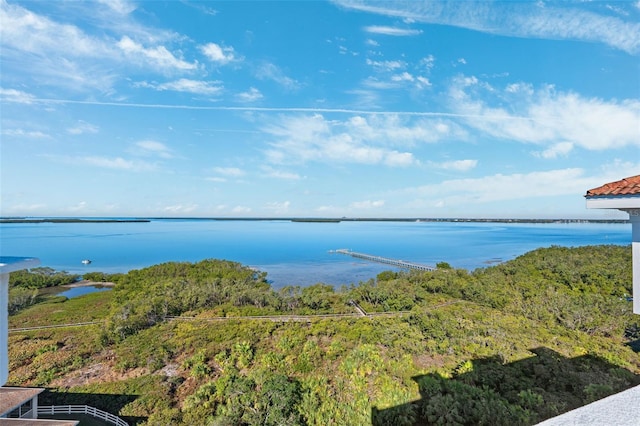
<point x="292" y="253"/>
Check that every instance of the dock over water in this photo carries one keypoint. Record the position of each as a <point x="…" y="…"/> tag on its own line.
<point x="385" y="260"/>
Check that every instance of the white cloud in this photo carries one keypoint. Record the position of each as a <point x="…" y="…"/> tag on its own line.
<point x="364" y="140"/>
<point x="374" y="83"/>
<point x="216" y="179"/>
<point x="559" y="149"/>
<point x="158" y="56"/>
<point x="123" y="7"/>
<point x="499" y="187"/>
<point x="457" y="165"/>
<point x="387" y="65"/>
<point x="328" y="209"/>
<point x="428" y="62"/>
<point x="24" y="30"/>
<point x="372" y="42"/>
<point x="405" y="76"/>
<point x="241" y="210"/>
<point x="232" y="172"/>
<point x="558" y="20"/>
<point x="152" y="148"/>
<point x="391" y="31"/>
<point x="390" y="77"/>
<point x="399" y="159"/>
<point x="218" y="54"/>
<point x="17" y="96"/>
<point x="197" y="87"/>
<point x="546" y="116"/>
<point x="34" y="134"/>
<point x="179" y="208"/>
<point x="422" y="82"/>
<point x="20" y="209"/>
<point x="117" y="163"/>
<point x="81" y="206"/>
<point x="278" y="207"/>
<point x="82" y="127"/>
<point x="251" y="95"/>
<point x="280" y="174"/>
<point x="269" y="71"/>
<point x="366" y="205"/>
<point x="50" y="53"/>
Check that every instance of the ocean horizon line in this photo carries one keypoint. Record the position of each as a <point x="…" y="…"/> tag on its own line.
<point x="111" y="219"/>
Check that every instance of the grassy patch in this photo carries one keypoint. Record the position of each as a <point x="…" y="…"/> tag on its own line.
<point x="60" y="310"/>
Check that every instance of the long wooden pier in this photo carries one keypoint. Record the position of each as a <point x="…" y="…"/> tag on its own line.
<point x="385" y="260"/>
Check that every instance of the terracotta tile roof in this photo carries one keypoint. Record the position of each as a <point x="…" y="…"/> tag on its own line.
<point x="626" y="186"/>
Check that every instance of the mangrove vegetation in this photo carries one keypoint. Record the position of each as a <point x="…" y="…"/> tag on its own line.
<point x="212" y="343"/>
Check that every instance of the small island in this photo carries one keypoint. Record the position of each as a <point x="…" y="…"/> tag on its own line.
<point x="316" y="220"/>
<point x="71" y="220"/>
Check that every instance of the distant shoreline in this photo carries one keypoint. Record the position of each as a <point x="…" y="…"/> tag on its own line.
<point x="71" y="220"/>
<point x="19" y="220"/>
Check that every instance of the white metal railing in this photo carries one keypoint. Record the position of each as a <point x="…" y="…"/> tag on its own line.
<point x="81" y="409"/>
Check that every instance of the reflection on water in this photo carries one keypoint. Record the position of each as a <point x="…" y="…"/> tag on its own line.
<point x="70" y="293"/>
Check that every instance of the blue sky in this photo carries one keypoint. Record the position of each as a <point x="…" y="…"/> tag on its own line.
<point x="324" y="109"/>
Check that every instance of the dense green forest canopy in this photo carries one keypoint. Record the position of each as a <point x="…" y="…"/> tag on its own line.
<point x="510" y="344"/>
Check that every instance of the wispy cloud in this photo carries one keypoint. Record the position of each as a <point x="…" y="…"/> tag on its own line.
<point x="197" y="87"/>
<point x="387" y="65"/>
<point x="123" y="7"/>
<point x="392" y="75"/>
<point x="553" y="117"/>
<point x="158" y="56"/>
<point x="82" y="127"/>
<point x="35" y="134"/>
<point x="216" y="179"/>
<point x="280" y="174"/>
<point x="26" y="31"/>
<point x="278" y="207"/>
<point x="391" y="31"/>
<point x="269" y="71"/>
<point x="115" y="163"/>
<point x="231" y="172"/>
<point x="558" y="150"/>
<point x="180" y="208"/>
<point x="82" y="206"/>
<point x="202" y="7"/>
<point x="501" y="187"/>
<point x="564" y="20"/>
<point x="22" y="208"/>
<point x="366" y="205"/>
<point x="456" y="165"/>
<point x="17" y="96"/>
<point x="79" y="59"/>
<point x="372" y="140"/>
<point x="241" y="210"/>
<point x="370" y="96"/>
<point x="251" y="95"/>
<point x="118" y="163"/>
<point x="150" y="148"/>
<point x="51" y="52"/>
<point x="218" y="54"/>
